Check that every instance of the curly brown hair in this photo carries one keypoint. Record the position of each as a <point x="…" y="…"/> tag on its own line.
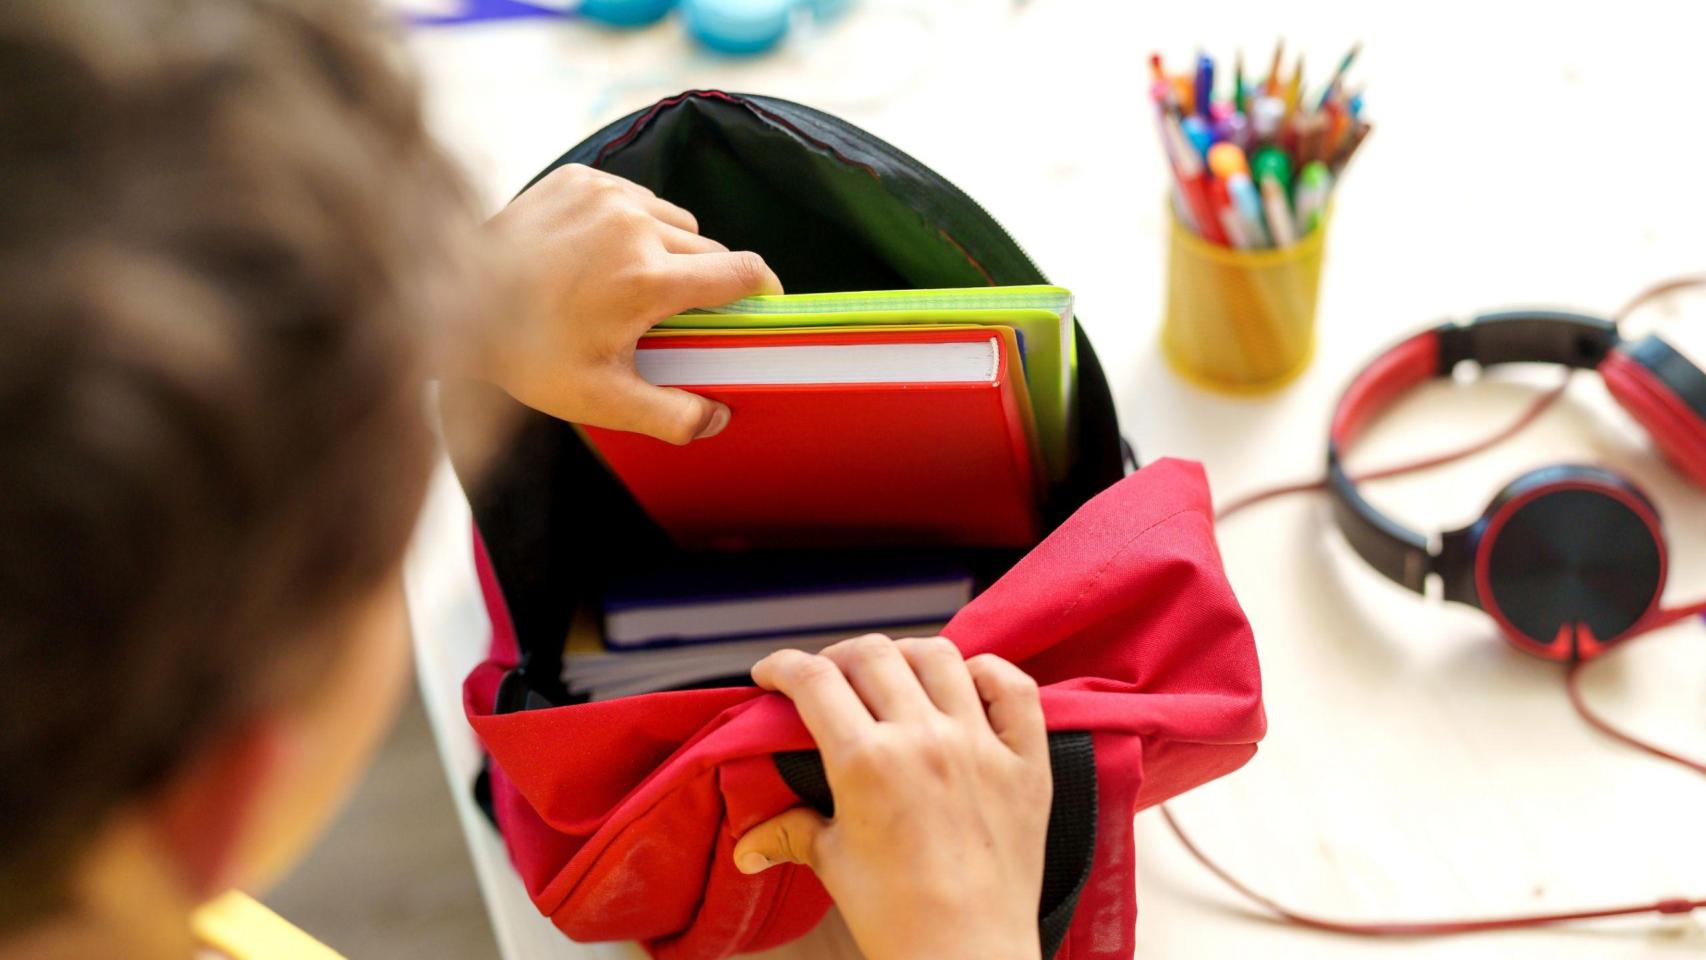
<point x="225" y="237"/>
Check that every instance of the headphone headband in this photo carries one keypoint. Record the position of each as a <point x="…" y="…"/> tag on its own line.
<point x="1404" y="555"/>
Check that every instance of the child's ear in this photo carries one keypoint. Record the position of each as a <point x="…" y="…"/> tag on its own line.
<point x="204" y="816"/>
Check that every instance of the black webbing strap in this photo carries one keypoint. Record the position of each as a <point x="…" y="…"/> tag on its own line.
<point x="1071" y="823"/>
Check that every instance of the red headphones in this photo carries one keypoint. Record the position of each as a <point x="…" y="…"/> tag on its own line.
<point x="1567" y="559"/>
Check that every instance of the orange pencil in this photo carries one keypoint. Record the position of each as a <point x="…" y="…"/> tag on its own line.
<point x="1272" y="84"/>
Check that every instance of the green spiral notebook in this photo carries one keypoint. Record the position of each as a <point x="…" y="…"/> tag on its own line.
<point x="1041" y="315"/>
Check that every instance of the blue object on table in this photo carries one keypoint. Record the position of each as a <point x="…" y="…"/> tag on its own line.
<point x="626" y="13"/>
<point x="474" y="11"/>
<point x="738" y="26"/>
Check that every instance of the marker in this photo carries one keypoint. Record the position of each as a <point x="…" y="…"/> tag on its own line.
<point x="1265" y="119"/>
<point x="1314" y="184"/>
<point x="1271" y="86"/>
<point x="1198" y="133"/>
<point x="1205" y="83"/>
<point x="1226" y="161"/>
<point x="1192" y="187"/>
<point x="1271" y="163"/>
<point x="1339" y="74"/>
<point x="1230" y="223"/>
<point x="1156" y="72"/>
<point x="1271" y="170"/>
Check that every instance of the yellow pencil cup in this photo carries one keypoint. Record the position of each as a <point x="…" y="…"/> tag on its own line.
<point x="1240" y="321"/>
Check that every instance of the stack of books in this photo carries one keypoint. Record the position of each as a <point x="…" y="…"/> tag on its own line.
<point x="931" y="420"/>
<point x="705" y="619"/>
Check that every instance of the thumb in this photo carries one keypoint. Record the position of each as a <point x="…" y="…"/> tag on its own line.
<point x="789" y="837"/>
<point x="667" y="413"/>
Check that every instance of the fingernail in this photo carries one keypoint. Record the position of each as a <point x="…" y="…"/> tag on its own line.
<point x="753" y="862"/>
<point x="719" y="420"/>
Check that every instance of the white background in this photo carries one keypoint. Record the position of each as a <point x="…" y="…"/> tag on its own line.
<point x="1522" y="154"/>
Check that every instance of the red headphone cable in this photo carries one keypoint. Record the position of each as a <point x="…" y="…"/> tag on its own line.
<point x="1670" y="906"/>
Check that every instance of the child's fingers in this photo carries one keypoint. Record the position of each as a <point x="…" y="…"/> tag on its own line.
<point x="662" y="209"/>
<point x="713" y="279"/>
<point x="628" y="402"/>
<point x="830" y="709"/>
<point x="790" y="837"/>
<point x="677" y="240"/>
<point x="669" y="213"/>
<point x="941" y="669"/>
<point x="882" y="677"/>
<point x="1014" y="706"/>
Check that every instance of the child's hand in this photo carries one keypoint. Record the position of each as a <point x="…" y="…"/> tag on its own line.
<point x="602" y="261"/>
<point x="940" y="771"/>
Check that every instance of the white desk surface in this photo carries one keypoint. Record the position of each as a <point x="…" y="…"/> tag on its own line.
<point x="1416" y="765"/>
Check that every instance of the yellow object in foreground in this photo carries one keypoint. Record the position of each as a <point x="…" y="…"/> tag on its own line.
<point x="1241" y="321"/>
<point x="238" y="927"/>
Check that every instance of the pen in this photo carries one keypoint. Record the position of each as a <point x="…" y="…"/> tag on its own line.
<point x="1205" y="83"/>
<point x="1156" y="72"/>
<point x="1278" y="209"/>
<point x="1313" y="185"/>
<point x="1249" y="205"/>
<point x="1339" y="74"/>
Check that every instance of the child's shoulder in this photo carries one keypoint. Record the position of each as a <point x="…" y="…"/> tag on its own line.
<point x="237" y="927"/>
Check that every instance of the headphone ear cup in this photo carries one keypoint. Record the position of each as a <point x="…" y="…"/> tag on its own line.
<point x="1666" y="394"/>
<point x="1568" y="560"/>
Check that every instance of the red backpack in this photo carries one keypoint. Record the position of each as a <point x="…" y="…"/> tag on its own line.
<point x="620" y="815"/>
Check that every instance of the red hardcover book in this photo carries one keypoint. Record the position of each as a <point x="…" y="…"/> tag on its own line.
<point x="894" y="437"/>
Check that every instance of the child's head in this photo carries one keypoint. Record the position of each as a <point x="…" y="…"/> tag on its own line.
<point x="223" y="233"/>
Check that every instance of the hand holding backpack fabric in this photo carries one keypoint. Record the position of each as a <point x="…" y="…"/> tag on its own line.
<point x="940" y="770"/>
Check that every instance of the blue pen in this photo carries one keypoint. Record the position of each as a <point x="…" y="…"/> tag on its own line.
<point x="1198" y="132"/>
<point x="1205" y="83"/>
